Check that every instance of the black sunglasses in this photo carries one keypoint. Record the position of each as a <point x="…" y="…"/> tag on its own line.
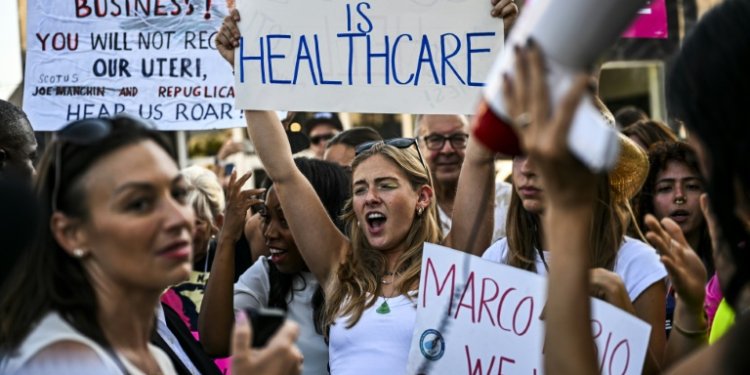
<point x="80" y="133"/>
<point x="320" y="138"/>
<point x="402" y="143"/>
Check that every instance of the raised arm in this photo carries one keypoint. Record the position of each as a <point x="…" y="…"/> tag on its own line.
<point x="217" y="312"/>
<point x="321" y="244"/>
<point x="473" y="208"/>
<point x="571" y="198"/>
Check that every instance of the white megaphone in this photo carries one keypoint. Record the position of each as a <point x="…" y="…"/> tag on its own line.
<point x="572" y="34"/>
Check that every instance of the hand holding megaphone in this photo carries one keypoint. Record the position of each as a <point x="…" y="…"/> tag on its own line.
<point x="572" y="34"/>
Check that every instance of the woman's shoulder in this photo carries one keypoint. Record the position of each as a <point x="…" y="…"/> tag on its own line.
<point x="639" y="266"/>
<point x="52" y="344"/>
<point x="637" y="251"/>
<point x="253" y="286"/>
<point x="497" y="252"/>
<point x="256" y="273"/>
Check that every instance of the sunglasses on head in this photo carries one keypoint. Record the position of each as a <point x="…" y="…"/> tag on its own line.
<point x="321" y="138"/>
<point x="401" y="143"/>
<point x="78" y="133"/>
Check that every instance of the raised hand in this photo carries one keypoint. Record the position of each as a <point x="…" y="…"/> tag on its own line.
<point x="567" y="182"/>
<point x="685" y="268"/>
<point x="280" y="357"/>
<point x="507" y="10"/>
<point x="608" y="286"/>
<point x="228" y="37"/>
<point x="238" y="202"/>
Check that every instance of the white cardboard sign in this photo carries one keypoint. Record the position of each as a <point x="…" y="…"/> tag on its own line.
<point x="479" y="317"/>
<point x="152" y="59"/>
<point x="376" y="56"/>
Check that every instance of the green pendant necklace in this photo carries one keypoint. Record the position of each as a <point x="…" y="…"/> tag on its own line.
<point x="383" y="308"/>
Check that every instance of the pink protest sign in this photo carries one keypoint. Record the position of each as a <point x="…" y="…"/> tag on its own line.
<point x="650" y="23"/>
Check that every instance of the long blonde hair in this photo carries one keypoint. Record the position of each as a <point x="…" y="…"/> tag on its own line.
<point x="358" y="281"/>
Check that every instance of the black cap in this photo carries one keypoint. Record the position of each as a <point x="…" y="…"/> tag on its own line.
<point x="321" y="118"/>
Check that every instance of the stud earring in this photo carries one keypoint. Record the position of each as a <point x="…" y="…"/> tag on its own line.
<point x="78" y="253"/>
<point x="420" y="210"/>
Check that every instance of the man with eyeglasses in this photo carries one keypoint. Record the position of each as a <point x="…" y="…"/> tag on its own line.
<point x="443" y="140"/>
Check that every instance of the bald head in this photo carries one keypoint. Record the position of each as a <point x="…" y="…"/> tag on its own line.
<point x="17" y="143"/>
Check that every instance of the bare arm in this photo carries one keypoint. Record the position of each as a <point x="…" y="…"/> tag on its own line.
<point x="650" y="307"/>
<point x="217" y="312"/>
<point x="472" y="214"/>
<point x="571" y="198"/>
<point x="321" y="244"/>
<point x="688" y="277"/>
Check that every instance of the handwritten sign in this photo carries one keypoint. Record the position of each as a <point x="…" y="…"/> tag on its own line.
<point x="152" y="59"/>
<point x="377" y="56"/>
<point x="480" y="317"/>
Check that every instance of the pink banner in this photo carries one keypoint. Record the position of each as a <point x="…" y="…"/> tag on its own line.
<point x="650" y="23"/>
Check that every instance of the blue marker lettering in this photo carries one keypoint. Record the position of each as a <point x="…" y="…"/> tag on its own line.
<point x="244" y="58"/>
<point x="364" y="17"/>
<point x="425" y="49"/>
<point x="320" y="68"/>
<point x="304" y="55"/>
<point x="469" y="51"/>
<point x="271" y="56"/>
<point x="371" y="55"/>
<point x="445" y="58"/>
<point x="394" y="59"/>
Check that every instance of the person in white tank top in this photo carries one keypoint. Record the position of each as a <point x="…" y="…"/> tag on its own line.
<point x="119" y="233"/>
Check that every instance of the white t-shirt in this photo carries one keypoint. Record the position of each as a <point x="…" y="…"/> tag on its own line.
<point x="637" y="264"/>
<point x="252" y="290"/>
<point x="503" y="190"/>
<point x="378" y="344"/>
<point x="53" y="329"/>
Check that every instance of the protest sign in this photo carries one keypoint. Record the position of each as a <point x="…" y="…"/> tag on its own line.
<point x="378" y="56"/>
<point x="152" y="59"/>
<point x="479" y="317"/>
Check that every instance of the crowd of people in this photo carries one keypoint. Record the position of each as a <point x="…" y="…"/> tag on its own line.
<point x="118" y="262"/>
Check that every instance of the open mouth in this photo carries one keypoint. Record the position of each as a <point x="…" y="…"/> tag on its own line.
<point x="679" y="216"/>
<point x="375" y="221"/>
<point x="277" y="255"/>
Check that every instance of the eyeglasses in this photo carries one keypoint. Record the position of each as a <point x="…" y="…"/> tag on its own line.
<point x="436" y="142"/>
<point x="401" y="143"/>
<point x="320" y="138"/>
<point x="80" y="133"/>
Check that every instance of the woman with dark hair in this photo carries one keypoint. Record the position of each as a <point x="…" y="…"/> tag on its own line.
<point x="708" y="90"/>
<point x="673" y="189"/>
<point x="283" y="279"/>
<point x="647" y="132"/>
<point x="118" y="233"/>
